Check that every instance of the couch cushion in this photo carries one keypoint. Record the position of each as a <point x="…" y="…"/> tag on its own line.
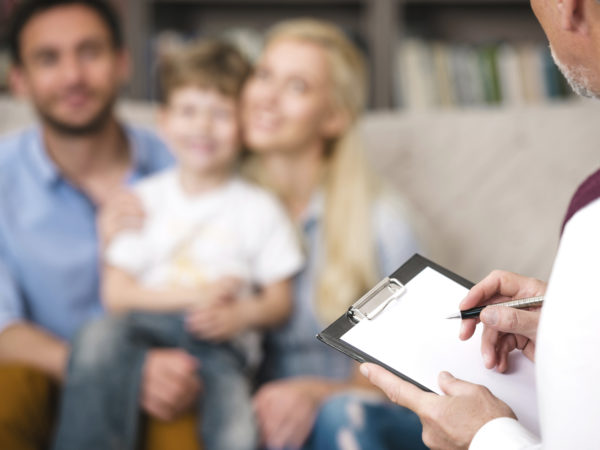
<point x="488" y="187"/>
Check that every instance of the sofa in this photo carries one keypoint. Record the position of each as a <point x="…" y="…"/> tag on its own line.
<point x="487" y="187"/>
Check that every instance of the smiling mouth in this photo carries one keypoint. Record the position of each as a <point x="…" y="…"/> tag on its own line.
<point x="75" y="100"/>
<point x="201" y="148"/>
<point x="265" y="121"/>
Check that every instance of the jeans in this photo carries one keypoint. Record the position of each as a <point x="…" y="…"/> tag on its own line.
<point x="100" y="402"/>
<point x="351" y="422"/>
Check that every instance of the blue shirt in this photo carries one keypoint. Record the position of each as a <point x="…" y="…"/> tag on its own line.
<point x="49" y="252"/>
<point x="293" y="349"/>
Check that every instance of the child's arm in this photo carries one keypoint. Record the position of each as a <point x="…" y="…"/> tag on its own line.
<point x="121" y="292"/>
<point x="223" y="321"/>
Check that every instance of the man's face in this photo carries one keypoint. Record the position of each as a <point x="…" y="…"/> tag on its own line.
<point x="574" y="52"/>
<point x="70" y="68"/>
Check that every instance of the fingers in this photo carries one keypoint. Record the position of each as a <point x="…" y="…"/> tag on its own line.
<point x="489" y="341"/>
<point x="467" y="328"/>
<point x="511" y="320"/>
<point x="497" y="283"/>
<point x="295" y="428"/>
<point x="454" y="386"/>
<point x="169" y="382"/>
<point x="498" y="286"/>
<point x="495" y="347"/>
<point x="209" y="323"/>
<point x="123" y="210"/>
<point x="507" y="344"/>
<point x="276" y="409"/>
<point x="398" y="391"/>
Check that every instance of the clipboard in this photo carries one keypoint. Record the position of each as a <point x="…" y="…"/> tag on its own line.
<point x="374" y="302"/>
<point x="368" y="316"/>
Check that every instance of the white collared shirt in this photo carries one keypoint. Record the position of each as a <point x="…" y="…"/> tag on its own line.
<point x="568" y="350"/>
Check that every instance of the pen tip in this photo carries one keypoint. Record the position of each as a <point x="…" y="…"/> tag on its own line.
<point x="454" y="316"/>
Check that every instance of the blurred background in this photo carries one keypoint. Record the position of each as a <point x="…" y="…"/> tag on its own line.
<point x="469" y="118"/>
<point x="422" y="53"/>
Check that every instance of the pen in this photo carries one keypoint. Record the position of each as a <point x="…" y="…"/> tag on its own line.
<point x="520" y="303"/>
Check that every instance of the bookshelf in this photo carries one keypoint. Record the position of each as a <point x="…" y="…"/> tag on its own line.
<point x="472" y="53"/>
<point x="379" y="27"/>
<point x="369" y="22"/>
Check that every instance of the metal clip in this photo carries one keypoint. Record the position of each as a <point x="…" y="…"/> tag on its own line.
<point x="376" y="300"/>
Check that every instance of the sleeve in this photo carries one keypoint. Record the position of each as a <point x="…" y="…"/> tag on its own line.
<point x="567" y="363"/>
<point x="504" y="433"/>
<point x="278" y="254"/>
<point x="395" y="239"/>
<point x="12" y="308"/>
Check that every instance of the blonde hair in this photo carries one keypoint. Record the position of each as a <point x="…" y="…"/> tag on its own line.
<point x="349" y="267"/>
<point x="207" y="64"/>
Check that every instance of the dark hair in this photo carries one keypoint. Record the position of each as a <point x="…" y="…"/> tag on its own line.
<point x="208" y="64"/>
<point x="27" y="9"/>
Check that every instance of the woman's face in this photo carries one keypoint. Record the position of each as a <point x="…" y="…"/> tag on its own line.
<point x="287" y="103"/>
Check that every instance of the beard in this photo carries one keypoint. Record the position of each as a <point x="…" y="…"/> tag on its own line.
<point x="95" y="124"/>
<point x="578" y="77"/>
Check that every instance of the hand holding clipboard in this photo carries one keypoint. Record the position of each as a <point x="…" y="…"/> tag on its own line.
<point x="401" y="325"/>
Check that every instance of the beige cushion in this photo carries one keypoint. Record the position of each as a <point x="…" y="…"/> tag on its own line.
<point x="489" y="187"/>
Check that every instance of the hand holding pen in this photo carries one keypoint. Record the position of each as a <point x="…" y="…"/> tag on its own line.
<point x="505" y="328"/>
<point x="521" y="303"/>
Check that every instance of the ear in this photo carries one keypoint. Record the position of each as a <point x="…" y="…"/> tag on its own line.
<point x="573" y="15"/>
<point x="17" y="82"/>
<point x="335" y="123"/>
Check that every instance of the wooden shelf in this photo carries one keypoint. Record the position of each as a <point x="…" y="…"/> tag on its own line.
<point x="378" y="25"/>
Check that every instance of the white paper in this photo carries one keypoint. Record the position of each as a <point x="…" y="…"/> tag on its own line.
<point x="413" y="336"/>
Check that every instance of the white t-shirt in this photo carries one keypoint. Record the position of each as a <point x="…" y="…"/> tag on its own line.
<point x="567" y="358"/>
<point x="237" y="229"/>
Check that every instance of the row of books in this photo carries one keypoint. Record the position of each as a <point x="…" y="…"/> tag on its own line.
<point x="438" y="74"/>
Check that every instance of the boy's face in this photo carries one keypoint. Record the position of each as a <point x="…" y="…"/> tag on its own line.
<point x="202" y="128"/>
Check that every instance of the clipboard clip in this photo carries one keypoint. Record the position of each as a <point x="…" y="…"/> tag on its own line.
<point x="376" y="300"/>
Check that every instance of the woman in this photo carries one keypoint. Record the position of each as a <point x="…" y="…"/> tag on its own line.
<point x="300" y="112"/>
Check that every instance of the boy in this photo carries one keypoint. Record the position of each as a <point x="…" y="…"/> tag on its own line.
<point x="214" y="259"/>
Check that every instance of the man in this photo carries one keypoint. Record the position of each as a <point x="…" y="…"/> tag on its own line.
<point x="568" y="336"/>
<point x="70" y="62"/>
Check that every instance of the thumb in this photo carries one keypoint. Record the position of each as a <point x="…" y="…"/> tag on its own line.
<point x="511" y="320"/>
<point x="398" y="391"/>
<point x="453" y="386"/>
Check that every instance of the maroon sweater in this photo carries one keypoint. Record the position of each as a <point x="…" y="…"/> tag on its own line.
<point x="586" y="193"/>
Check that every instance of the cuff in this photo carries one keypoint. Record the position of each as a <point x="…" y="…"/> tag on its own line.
<point x="504" y="433"/>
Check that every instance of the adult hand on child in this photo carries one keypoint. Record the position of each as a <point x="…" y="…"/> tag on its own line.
<point x="170" y="383"/>
<point x="122" y="211"/>
<point x="505" y="329"/>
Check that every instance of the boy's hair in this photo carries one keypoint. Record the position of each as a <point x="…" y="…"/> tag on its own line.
<point x="207" y="64"/>
<point x="28" y="9"/>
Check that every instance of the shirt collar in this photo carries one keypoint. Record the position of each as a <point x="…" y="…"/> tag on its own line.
<point x="41" y="161"/>
<point x="313" y="213"/>
<point x="50" y="174"/>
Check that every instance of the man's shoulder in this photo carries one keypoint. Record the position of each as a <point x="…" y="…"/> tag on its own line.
<point x="12" y="148"/>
